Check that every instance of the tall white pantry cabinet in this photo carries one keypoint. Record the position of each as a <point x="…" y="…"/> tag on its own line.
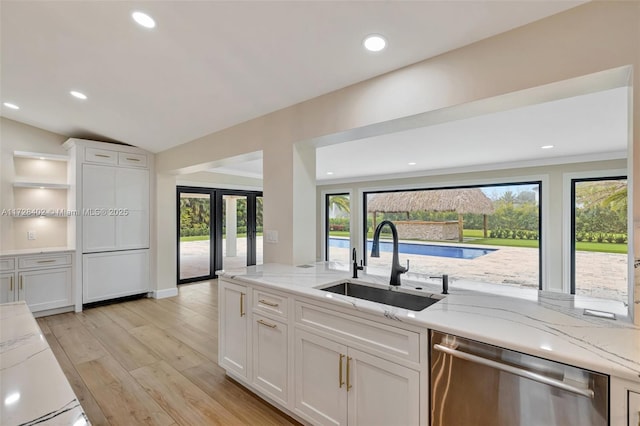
<point x="112" y="198"/>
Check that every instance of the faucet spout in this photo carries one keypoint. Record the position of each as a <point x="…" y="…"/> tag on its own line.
<point x="396" y="268"/>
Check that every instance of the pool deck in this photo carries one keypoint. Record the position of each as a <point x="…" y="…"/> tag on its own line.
<point x="603" y="275"/>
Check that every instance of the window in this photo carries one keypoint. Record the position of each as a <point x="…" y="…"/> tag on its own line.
<point x="482" y="234"/>
<point x="599" y="263"/>
<point x="338" y="227"/>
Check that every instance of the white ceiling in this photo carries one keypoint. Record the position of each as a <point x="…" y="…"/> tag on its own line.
<point x="208" y="64"/>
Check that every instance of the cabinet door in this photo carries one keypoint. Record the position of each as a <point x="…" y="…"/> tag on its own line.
<point x="98" y="194"/>
<point x="270" y="361"/>
<point x="132" y="195"/>
<point x="634" y="408"/>
<point x="45" y="289"/>
<point x="320" y="364"/>
<point x="7" y="287"/>
<point x="232" y="344"/>
<point x="382" y="392"/>
<point x="115" y="274"/>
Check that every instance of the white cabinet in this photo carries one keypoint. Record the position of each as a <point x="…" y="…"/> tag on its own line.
<point x="7" y="287"/>
<point x="43" y="281"/>
<point x="114" y="274"/>
<point x="634" y="408"/>
<point x="115" y="204"/>
<point x="270" y="357"/>
<point x="233" y="328"/>
<point x="339" y="385"/>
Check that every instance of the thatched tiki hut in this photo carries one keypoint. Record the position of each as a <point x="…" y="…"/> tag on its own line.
<point x="461" y="201"/>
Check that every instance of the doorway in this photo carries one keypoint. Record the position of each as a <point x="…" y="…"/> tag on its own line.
<point x="217" y="229"/>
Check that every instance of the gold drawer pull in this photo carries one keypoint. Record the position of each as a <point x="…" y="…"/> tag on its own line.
<point x="21" y="279"/>
<point x="266" y="302"/>
<point x="46" y="261"/>
<point x="103" y="155"/>
<point x="11" y="283"/>
<point x="133" y="159"/>
<point x="348" y="373"/>
<point x="242" y="304"/>
<point x="267" y="324"/>
<point x="340" y="378"/>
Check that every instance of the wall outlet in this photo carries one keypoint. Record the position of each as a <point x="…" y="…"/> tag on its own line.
<point x="31" y="235"/>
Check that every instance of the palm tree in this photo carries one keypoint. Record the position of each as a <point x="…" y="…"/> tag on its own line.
<point x="340" y="202"/>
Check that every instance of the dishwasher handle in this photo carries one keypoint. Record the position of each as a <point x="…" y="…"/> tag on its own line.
<point x="514" y="370"/>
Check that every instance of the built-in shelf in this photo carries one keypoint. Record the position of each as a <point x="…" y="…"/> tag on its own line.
<point x="40" y="156"/>
<point x="41" y="185"/>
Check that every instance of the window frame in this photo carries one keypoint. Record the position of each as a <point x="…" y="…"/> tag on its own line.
<point x="324" y="219"/>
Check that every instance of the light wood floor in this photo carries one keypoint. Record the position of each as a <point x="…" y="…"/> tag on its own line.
<point x="154" y="362"/>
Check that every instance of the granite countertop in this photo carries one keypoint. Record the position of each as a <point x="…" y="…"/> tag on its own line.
<point x="41" y="250"/>
<point x="33" y="388"/>
<point x="545" y="324"/>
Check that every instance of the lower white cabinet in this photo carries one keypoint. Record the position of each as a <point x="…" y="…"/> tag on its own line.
<point x="339" y="385"/>
<point x="114" y="274"/>
<point x="270" y="357"/>
<point x="634" y="408"/>
<point x="43" y="281"/>
<point x="233" y="333"/>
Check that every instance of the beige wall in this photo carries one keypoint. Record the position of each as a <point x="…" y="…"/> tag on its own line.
<point x="590" y="38"/>
<point x="50" y="232"/>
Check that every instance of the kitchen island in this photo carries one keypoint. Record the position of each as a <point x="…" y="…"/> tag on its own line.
<point x="33" y="388"/>
<point x="279" y="301"/>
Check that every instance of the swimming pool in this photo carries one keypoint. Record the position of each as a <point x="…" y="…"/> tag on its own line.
<point x="421" y="249"/>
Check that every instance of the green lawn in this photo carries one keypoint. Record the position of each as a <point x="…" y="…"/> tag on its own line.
<point x="508" y="242"/>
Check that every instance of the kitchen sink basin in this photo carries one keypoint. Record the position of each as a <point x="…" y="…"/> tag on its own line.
<point x="413" y="302"/>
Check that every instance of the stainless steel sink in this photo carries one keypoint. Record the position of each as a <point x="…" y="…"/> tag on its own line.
<point x="413" y="302"/>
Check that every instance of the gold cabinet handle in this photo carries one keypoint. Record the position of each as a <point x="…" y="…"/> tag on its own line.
<point x="11" y="283"/>
<point x="242" y="304"/>
<point x="102" y="155"/>
<point x="348" y="373"/>
<point x="266" y="302"/>
<point x="46" y="261"/>
<point x="21" y="280"/>
<point x="133" y="159"/>
<point x="340" y="378"/>
<point x="267" y="324"/>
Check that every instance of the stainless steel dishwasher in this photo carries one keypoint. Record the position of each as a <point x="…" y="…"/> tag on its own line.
<point x="477" y="384"/>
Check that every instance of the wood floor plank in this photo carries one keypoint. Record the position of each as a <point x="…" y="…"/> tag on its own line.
<point x="88" y="402"/>
<point x="186" y="402"/>
<point x="79" y="345"/>
<point x="177" y="354"/>
<point x="92" y="318"/>
<point x="124" y="317"/>
<point x="195" y="339"/>
<point x="120" y="396"/>
<point x="156" y="314"/>
<point x="241" y="402"/>
<point x="125" y="348"/>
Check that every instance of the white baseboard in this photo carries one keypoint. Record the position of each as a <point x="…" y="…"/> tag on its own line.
<point x="164" y="293"/>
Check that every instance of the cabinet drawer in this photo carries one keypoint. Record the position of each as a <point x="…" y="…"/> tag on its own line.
<point x="8" y="264"/>
<point x="379" y="337"/>
<point x="634" y="408"/>
<point x="270" y="303"/>
<point x="104" y="156"/>
<point x="135" y="160"/>
<point x="44" y="261"/>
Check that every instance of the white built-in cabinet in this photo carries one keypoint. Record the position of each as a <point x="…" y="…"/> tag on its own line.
<point x="634" y="408"/>
<point x="43" y="281"/>
<point x="321" y="366"/>
<point x="113" y="193"/>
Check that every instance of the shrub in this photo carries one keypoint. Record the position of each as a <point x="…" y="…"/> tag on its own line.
<point x="600" y="237"/>
<point x="580" y="236"/>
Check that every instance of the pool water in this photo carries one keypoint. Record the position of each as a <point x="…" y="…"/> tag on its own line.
<point x="421" y="249"/>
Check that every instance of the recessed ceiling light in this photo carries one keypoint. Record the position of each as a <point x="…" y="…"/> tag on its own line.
<point x="329" y="173"/>
<point x="78" y="95"/>
<point x="143" y="19"/>
<point x="546" y="146"/>
<point x="42" y="158"/>
<point x="10" y="105"/>
<point x="411" y="163"/>
<point x="374" y="43"/>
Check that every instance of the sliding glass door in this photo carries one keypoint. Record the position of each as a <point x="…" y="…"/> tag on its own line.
<point x="217" y="229"/>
